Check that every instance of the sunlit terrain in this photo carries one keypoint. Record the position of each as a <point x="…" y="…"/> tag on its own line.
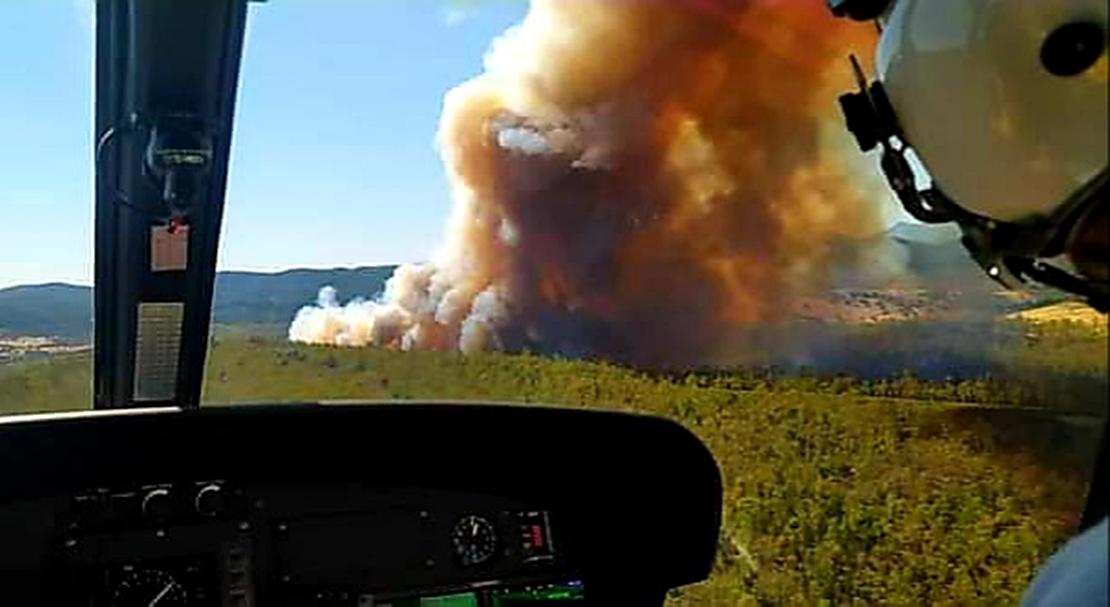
<point x="894" y="490"/>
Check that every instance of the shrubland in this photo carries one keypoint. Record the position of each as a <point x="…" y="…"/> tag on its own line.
<point x="839" y="489"/>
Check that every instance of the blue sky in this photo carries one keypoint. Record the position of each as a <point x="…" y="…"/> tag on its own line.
<point x="339" y="101"/>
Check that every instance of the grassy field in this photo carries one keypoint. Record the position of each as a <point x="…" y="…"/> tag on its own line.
<point x="838" y="490"/>
<point x="1070" y="311"/>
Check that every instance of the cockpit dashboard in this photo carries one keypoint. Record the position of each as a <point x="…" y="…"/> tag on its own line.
<point x="353" y="505"/>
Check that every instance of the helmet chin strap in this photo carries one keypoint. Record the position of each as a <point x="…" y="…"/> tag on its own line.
<point x="1012" y="253"/>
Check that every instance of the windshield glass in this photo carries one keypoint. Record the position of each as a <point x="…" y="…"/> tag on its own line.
<point x="650" y="207"/>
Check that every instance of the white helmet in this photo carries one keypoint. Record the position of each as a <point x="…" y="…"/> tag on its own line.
<point x="1005" y="102"/>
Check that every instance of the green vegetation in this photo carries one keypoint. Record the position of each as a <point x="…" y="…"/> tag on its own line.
<point x="837" y="490"/>
<point x="60" y="383"/>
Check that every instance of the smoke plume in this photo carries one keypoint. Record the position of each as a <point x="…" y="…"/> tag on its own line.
<point x="632" y="180"/>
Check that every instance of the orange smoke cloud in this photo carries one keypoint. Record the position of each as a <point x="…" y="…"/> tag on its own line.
<point x="631" y="179"/>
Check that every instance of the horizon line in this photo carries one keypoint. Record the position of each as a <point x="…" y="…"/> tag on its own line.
<point x="246" y="270"/>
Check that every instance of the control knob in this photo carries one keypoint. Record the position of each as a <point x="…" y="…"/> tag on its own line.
<point x="210" y="500"/>
<point x="157" y="503"/>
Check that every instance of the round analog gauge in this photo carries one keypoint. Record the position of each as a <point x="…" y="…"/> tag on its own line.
<point x="148" y="588"/>
<point x="475" y="540"/>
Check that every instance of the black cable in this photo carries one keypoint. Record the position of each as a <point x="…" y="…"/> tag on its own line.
<point x="1095" y="293"/>
<point x="103" y="142"/>
<point x="106" y="138"/>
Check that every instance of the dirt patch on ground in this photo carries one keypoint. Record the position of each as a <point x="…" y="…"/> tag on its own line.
<point x="876" y="306"/>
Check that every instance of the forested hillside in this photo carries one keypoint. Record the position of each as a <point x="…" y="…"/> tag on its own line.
<point x="889" y="491"/>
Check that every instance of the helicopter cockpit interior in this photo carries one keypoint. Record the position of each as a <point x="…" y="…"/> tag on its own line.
<point x="150" y="500"/>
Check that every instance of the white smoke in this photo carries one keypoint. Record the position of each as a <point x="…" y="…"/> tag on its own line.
<point x="357" y="323"/>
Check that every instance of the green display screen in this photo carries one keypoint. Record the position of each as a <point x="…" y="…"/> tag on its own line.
<point x="462" y="599"/>
<point x="547" y="594"/>
<point x="465" y="599"/>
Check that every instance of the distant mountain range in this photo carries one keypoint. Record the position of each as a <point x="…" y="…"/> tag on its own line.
<point x="924" y="257"/>
<point x="65" y="311"/>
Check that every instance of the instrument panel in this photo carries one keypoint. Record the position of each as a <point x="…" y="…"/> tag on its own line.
<point x="213" y="542"/>
<point x="414" y="504"/>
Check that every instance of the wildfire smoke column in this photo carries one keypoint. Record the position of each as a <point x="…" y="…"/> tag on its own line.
<point x="631" y="180"/>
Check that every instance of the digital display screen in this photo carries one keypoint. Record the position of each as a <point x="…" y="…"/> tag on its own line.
<point x="541" y="595"/>
<point x="462" y="599"/>
<point x="465" y="599"/>
<point x="547" y="594"/>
